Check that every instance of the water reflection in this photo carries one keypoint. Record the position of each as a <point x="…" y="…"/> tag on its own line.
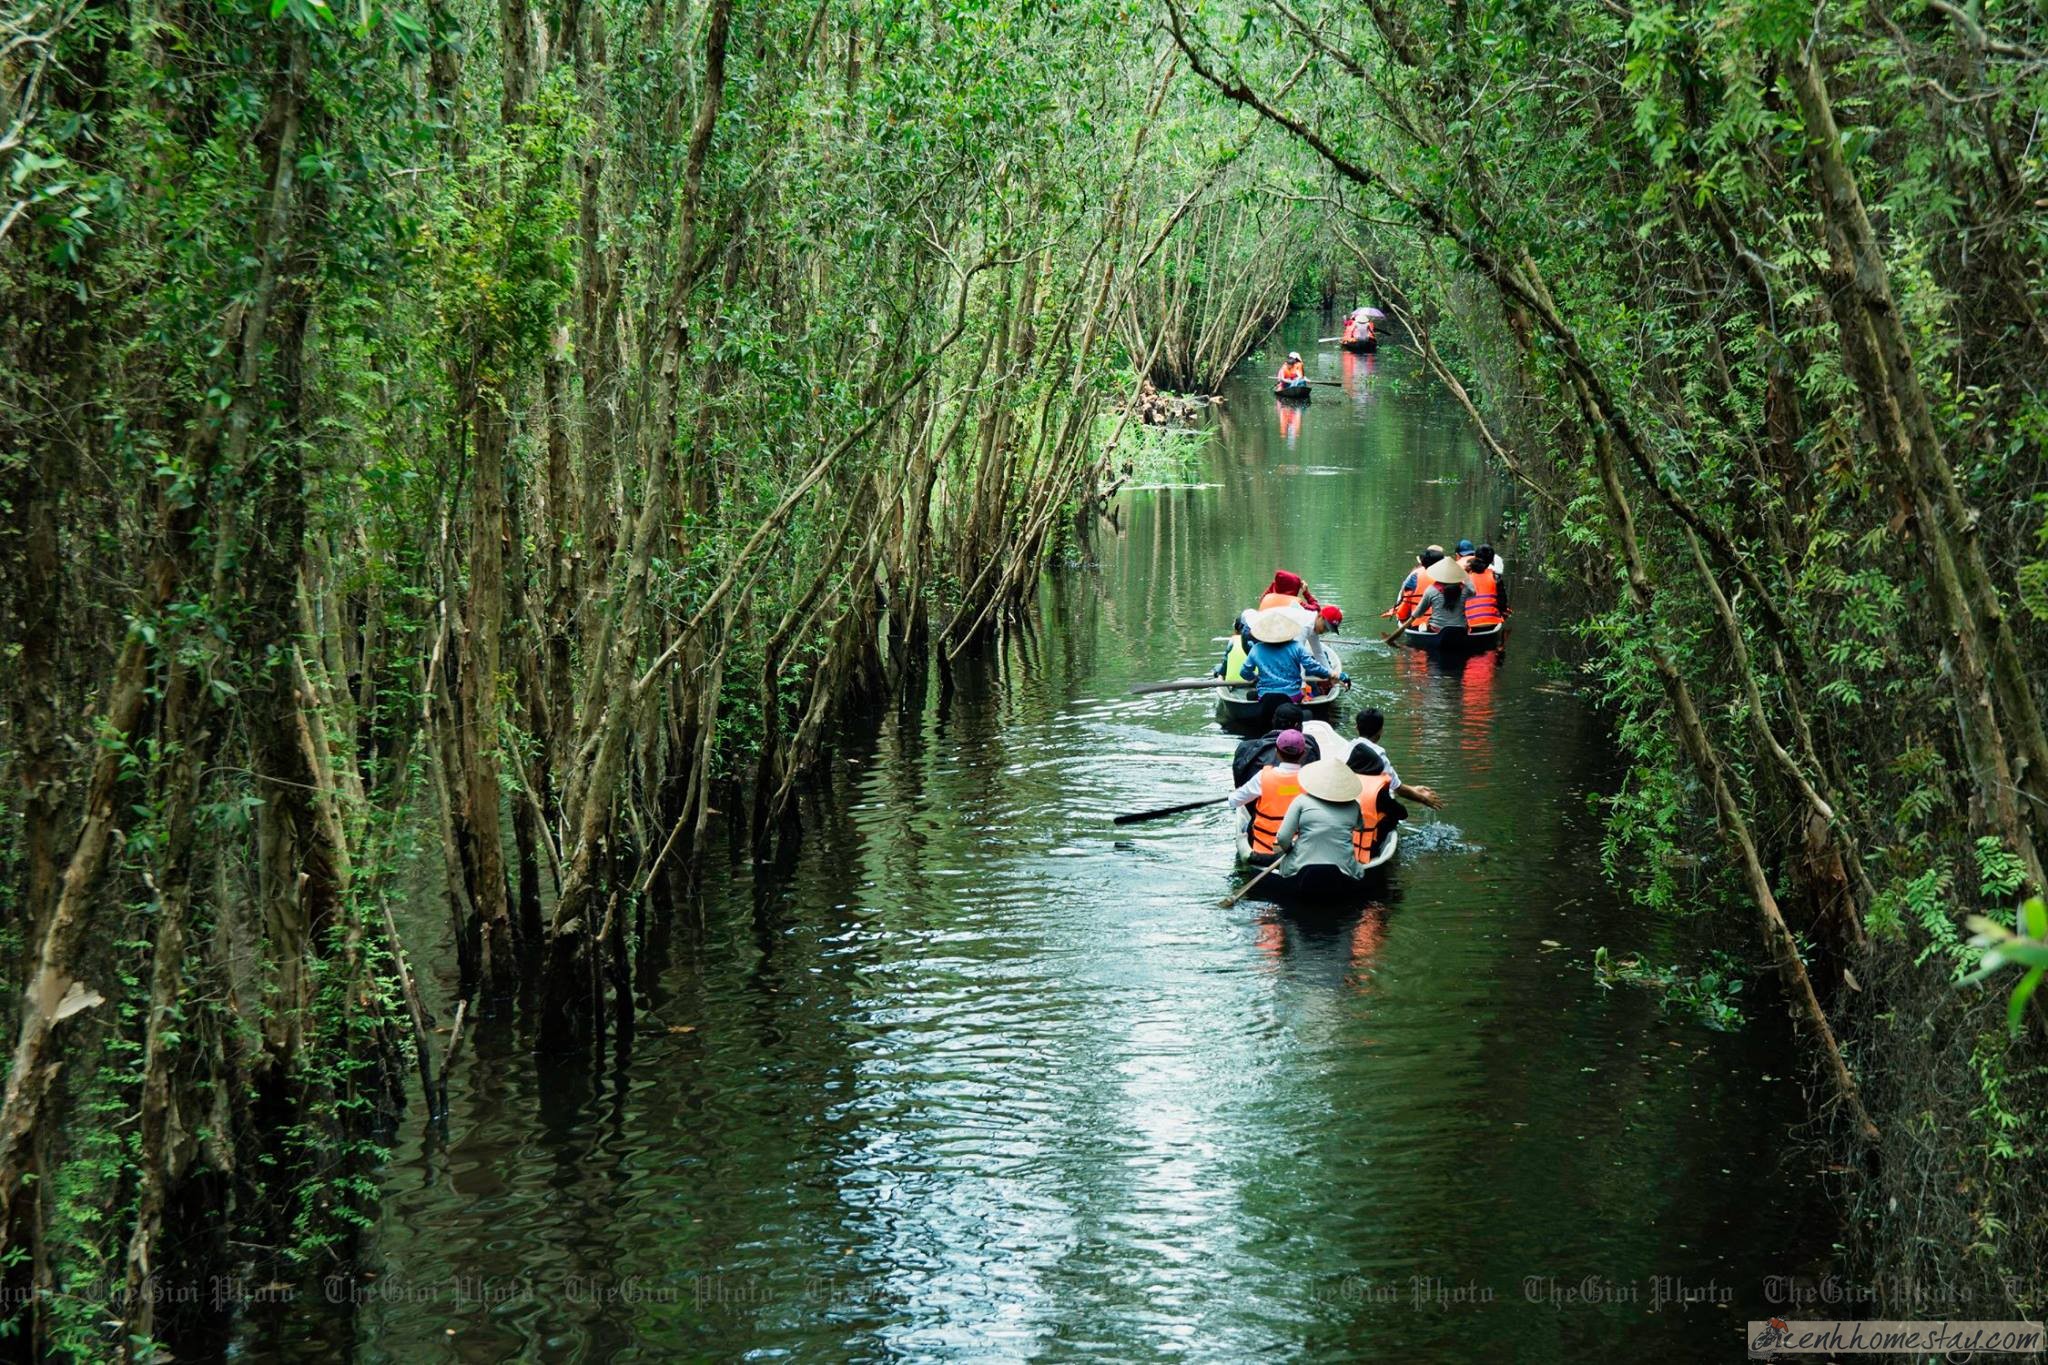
<point x="978" y="1076"/>
<point x="1358" y="376"/>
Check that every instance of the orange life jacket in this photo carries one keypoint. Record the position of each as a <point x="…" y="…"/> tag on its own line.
<point x="1369" y="808"/>
<point x="1277" y="791"/>
<point x="1291" y="370"/>
<point x="1278" y="599"/>
<point x="1412" y="589"/>
<point x="1482" y="600"/>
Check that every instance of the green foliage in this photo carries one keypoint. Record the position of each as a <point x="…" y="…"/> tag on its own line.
<point x="1154" y="455"/>
<point x="2023" y="945"/>
<point x="1707" y="994"/>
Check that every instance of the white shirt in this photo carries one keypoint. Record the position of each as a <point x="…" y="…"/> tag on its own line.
<point x="1254" y="784"/>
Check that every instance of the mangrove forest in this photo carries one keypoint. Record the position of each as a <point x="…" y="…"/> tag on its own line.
<point x="1038" y="679"/>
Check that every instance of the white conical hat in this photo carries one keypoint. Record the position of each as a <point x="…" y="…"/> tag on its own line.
<point x="1330" y="779"/>
<point x="1446" y="570"/>
<point x="1275" y="627"/>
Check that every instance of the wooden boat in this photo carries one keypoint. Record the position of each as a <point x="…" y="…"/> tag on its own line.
<point x="1241" y="713"/>
<point x="1361" y="345"/>
<point x="1238" y="710"/>
<point x="1474" y="641"/>
<point x="1320" y="887"/>
<point x="1298" y="391"/>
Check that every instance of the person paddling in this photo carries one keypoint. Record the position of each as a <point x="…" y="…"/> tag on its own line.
<point x="1323" y="825"/>
<point x="1277" y="662"/>
<point x="1442" y="604"/>
<point x="1291" y="373"/>
<point x="1414" y="585"/>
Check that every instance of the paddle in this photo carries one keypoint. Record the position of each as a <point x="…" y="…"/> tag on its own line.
<point x="1136" y="816"/>
<point x="1399" y="626"/>
<point x="1185" y="685"/>
<point x="1239" y="894"/>
<point x="1320" y="340"/>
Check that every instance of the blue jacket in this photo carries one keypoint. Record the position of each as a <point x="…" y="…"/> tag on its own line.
<point x="1281" y="668"/>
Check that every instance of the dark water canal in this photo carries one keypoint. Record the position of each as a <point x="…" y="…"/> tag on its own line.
<point x="976" y="1080"/>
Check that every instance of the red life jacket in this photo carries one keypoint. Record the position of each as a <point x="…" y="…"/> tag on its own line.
<point x="1369" y="809"/>
<point x="1482" y="600"/>
<point x="1411" y="593"/>
<point x="1290" y="371"/>
<point x="1277" y="791"/>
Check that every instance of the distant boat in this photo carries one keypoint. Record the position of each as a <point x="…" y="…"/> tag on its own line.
<point x="1362" y="345"/>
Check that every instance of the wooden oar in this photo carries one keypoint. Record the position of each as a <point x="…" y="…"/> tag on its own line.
<point x="1398" y="628"/>
<point x="1239" y="894"/>
<point x="1136" y="816"/>
<point x="1320" y="340"/>
<point x="1186" y="685"/>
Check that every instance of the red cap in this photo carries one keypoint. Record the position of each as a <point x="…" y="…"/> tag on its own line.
<point x="1334" y="615"/>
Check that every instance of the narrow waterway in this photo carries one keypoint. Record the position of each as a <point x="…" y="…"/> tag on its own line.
<point x="983" y="1077"/>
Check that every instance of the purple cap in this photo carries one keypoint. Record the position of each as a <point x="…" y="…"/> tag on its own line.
<point x="1290" y="742"/>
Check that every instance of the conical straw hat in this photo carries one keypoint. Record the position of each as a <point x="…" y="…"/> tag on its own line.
<point x="1331" y="779"/>
<point x="1275" y="627"/>
<point x="1446" y="570"/>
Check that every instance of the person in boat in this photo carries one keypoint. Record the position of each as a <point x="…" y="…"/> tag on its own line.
<point x="1442" y="608"/>
<point x="1287" y="590"/>
<point x="1254" y="754"/>
<point x="1324" y="825"/>
<point x="1292" y="373"/>
<point x="1466" y="553"/>
<point x="1271" y="792"/>
<point x="1378" y="808"/>
<point x="1484" y="609"/>
<point x="1414" y="585"/>
<point x="1378" y="812"/>
<point x="1279" y="664"/>
<point x="1327" y="621"/>
<point x="1232" y="665"/>
<point x="1369" y="758"/>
